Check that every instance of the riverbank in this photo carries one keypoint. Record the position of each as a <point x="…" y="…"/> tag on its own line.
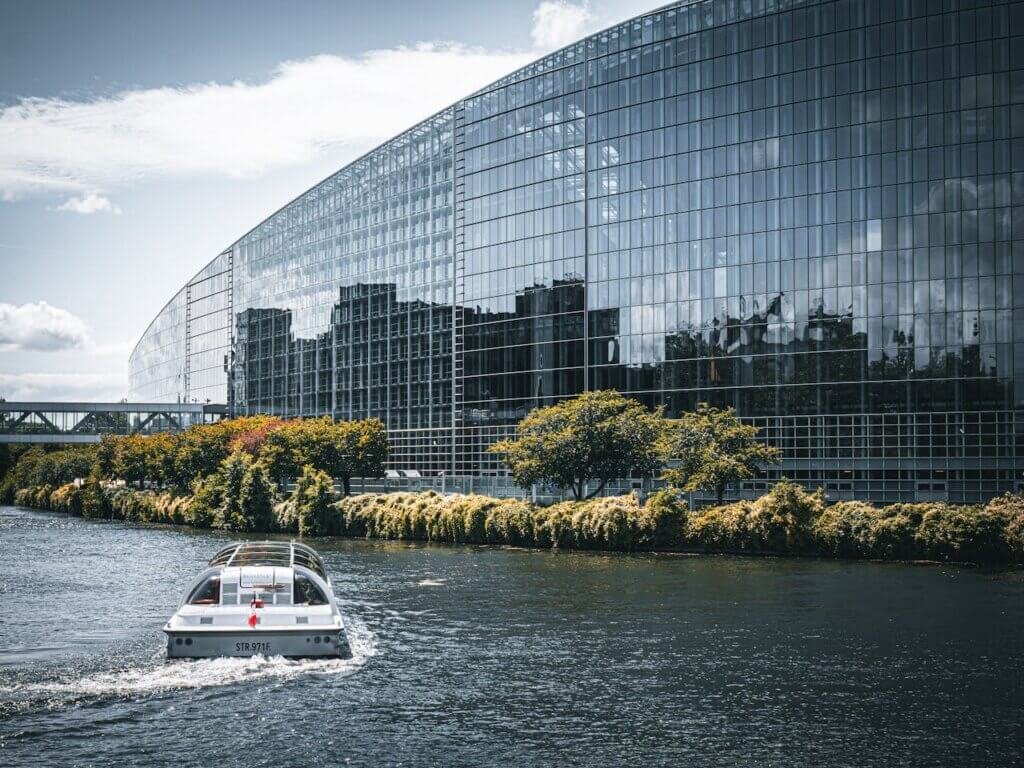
<point x="785" y="521"/>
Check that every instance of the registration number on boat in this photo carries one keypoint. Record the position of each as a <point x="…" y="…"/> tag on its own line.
<point x="263" y="648"/>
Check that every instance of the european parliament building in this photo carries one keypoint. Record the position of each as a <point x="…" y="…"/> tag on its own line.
<point x="811" y="211"/>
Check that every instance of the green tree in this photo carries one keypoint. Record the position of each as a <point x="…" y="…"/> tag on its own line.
<point x="161" y="450"/>
<point x="24" y="472"/>
<point x="131" y="459"/>
<point x="7" y="460"/>
<point x="361" y="451"/>
<point x="315" y="443"/>
<point x="277" y="453"/>
<point x="54" y="466"/>
<point x="207" y="496"/>
<point x="231" y="477"/>
<point x="343" y="450"/>
<point x="596" y="437"/>
<point x="72" y="463"/>
<point x="256" y="500"/>
<point x="93" y="501"/>
<point x="714" y="449"/>
<point x="106" y="455"/>
<point x="311" y="503"/>
<point x="201" y="449"/>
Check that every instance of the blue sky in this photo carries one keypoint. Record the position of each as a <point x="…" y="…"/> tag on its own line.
<point x="138" y="140"/>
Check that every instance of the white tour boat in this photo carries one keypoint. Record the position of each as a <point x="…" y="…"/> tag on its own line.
<point x="272" y="598"/>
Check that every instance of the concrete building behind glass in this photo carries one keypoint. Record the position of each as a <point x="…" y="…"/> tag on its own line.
<point x="811" y="211"/>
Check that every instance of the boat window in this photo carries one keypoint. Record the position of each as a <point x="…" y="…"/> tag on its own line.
<point x="307" y="592"/>
<point x="207" y="593"/>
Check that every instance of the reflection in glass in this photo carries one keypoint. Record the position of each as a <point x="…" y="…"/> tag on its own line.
<point x="769" y="206"/>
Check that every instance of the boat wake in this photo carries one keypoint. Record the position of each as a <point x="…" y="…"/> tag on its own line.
<point x="161" y="675"/>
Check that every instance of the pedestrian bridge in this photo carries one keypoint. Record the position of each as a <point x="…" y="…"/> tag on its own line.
<point x="88" y="422"/>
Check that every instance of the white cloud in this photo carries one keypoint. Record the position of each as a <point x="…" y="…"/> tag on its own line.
<point x="67" y="387"/>
<point x="90" y="203"/>
<point x="556" y="23"/>
<point x="237" y="129"/>
<point x="83" y="149"/>
<point x="40" y="327"/>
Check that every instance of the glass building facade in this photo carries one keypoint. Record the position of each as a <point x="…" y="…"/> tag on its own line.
<point x="811" y="211"/>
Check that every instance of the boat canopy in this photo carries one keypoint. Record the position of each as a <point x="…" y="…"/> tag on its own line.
<point x="270" y="553"/>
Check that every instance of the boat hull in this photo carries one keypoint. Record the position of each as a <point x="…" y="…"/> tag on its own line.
<point x="239" y="643"/>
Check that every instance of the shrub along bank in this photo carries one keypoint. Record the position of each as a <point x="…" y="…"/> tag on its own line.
<point x="785" y="521"/>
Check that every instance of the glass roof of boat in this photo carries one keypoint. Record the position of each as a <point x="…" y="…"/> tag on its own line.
<point x="274" y="553"/>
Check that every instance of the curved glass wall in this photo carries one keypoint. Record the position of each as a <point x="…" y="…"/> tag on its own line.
<point x="156" y="367"/>
<point x="811" y="211"/>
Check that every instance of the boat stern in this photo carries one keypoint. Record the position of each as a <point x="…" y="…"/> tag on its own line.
<point x="316" y="642"/>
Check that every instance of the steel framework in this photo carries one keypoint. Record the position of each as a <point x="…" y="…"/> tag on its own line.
<point x="40" y="422"/>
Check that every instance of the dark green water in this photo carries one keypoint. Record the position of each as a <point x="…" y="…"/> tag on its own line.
<point x="468" y="656"/>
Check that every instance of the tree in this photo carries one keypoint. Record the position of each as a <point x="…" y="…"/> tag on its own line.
<point x="48" y="466"/>
<point x="231" y="477"/>
<point x="161" y="451"/>
<point x="309" y="509"/>
<point x="131" y="460"/>
<point x="315" y="443"/>
<point x="713" y="449"/>
<point x="201" y="449"/>
<point x="256" y="500"/>
<point x="243" y="499"/>
<point x="24" y="472"/>
<point x="362" y="451"/>
<point x="207" y="496"/>
<point x="7" y="460"/>
<point x="598" y="436"/>
<point x="252" y="433"/>
<point x="71" y="463"/>
<point x="343" y="450"/>
<point x="277" y="453"/>
<point x="106" y="455"/>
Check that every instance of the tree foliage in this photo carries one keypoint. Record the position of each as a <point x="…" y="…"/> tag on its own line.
<point x="237" y="497"/>
<point x="713" y="449"/>
<point x="133" y="462"/>
<point x="581" y="444"/>
<point x="253" y="435"/>
<point x="55" y="466"/>
<point x="9" y="455"/>
<point x="246" y="494"/>
<point x="343" y="449"/>
<point x="256" y="501"/>
<point x="201" y="449"/>
<point x="177" y="461"/>
<point x="308" y="510"/>
<point x="277" y="453"/>
<point x="231" y="477"/>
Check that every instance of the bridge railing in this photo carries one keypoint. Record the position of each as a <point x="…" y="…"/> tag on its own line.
<point x="48" y="422"/>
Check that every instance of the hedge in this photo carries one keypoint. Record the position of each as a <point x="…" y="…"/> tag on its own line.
<point x="785" y="521"/>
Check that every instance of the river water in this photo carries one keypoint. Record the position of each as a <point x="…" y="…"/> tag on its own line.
<point x="494" y="657"/>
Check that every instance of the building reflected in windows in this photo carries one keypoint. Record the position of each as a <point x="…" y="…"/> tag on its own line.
<point x="811" y="212"/>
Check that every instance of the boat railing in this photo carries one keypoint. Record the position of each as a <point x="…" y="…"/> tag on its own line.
<point x="273" y="553"/>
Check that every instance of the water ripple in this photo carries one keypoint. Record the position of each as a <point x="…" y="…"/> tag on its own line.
<point x="161" y="675"/>
<point x="470" y="656"/>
